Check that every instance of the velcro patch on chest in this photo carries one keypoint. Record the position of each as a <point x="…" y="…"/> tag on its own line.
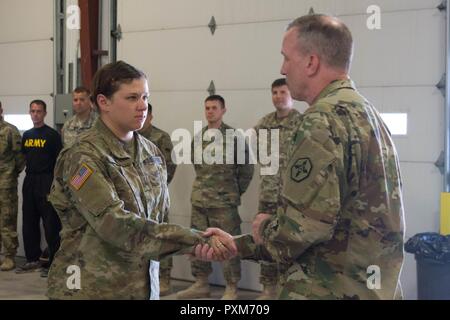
<point x="156" y="159"/>
<point x="82" y="175"/>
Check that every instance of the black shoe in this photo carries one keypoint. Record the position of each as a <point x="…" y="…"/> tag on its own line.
<point x="44" y="273"/>
<point x="28" y="267"/>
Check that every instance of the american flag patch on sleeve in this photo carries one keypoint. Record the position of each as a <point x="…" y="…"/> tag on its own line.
<point x="81" y="176"/>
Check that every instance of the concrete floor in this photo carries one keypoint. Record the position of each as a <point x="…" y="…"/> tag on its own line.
<point x="30" y="286"/>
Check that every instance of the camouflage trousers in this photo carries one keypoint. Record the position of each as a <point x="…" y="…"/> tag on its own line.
<point x="165" y="265"/>
<point x="227" y="219"/>
<point x="8" y="220"/>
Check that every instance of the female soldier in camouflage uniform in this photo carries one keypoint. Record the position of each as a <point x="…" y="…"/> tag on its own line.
<point x="110" y="191"/>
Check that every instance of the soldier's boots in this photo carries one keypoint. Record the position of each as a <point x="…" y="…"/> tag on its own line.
<point x="269" y="293"/>
<point x="230" y="292"/>
<point x="8" y="263"/>
<point x="164" y="285"/>
<point x="200" y="289"/>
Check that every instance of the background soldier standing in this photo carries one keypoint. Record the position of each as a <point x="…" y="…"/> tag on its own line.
<point x="41" y="146"/>
<point x="82" y="120"/>
<point x="216" y="195"/>
<point x="12" y="163"/>
<point x="285" y="119"/>
<point x="162" y="140"/>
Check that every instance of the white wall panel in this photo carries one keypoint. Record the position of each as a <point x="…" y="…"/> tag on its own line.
<point x="421" y="193"/>
<point x="26" y="20"/>
<point x="349" y="7"/>
<point x="163" y="14"/>
<point x="27" y="68"/>
<point x="424" y="106"/>
<point x="170" y="14"/>
<point x="422" y="186"/>
<point x="408" y="278"/>
<point x="229" y="58"/>
<point x="406" y="51"/>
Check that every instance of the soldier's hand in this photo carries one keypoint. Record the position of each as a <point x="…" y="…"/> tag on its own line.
<point x="256" y="225"/>
<point x="220" y="246"/>
<point x="204" y="252"/>
<point x="223" y="242"/>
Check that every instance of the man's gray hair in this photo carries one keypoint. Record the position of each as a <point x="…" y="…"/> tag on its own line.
<point x="326" y="36"/>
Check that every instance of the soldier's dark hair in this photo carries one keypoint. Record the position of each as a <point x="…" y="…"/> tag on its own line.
<point x="216" y="97"/>
<point x="39" y="102"/>
<point x="108" y="79"/>
<point x="150" y="108"/>
<point x="279" y="82"/>
<point x="326" y="36"/>
<point x="81" y="89"/>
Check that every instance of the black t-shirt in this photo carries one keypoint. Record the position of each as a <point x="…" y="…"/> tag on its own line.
<point x="41" y="147"/>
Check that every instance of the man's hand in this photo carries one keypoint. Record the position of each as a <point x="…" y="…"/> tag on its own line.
<point x="256" y="224"/>
<point x="221" y="246"/>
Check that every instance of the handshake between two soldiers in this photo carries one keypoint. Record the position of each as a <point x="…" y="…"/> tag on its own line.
<point x="222" y="246"/>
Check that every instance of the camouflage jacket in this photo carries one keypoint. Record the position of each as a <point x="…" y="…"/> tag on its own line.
<point x="342" y="210"/>
<point x="74" y="127"/>
<point x="111" y="208"/>
<point x="220" y="185"/>
<point x="270" y="185"/>
<point x="163" y="142"/>
<point x="12" y="161"/>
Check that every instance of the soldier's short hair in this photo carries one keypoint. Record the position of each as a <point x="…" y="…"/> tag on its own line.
<point x="81" y="89"/>
<point x="39" y="102"/>
<point x="279" y="83"/>
<point x="108" y="79"/>
<point x="216" y="97"/>
<point x="326" y="36"/>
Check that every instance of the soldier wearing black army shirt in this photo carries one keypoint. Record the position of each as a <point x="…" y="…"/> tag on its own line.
<point x="41" y="146"/>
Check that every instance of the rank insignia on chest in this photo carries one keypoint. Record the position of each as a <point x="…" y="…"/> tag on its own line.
<point x="301" y="169"/>
<point x="81" y="176"/>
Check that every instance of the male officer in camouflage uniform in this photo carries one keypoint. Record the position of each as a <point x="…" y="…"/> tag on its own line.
<point x="285" y="119"/>
<point x="216" y="195"/>
<point x="162" y="140"/>
<point x="12" y="163"/>
<point x="341" y="225"/>
<point x="83" y="118"/>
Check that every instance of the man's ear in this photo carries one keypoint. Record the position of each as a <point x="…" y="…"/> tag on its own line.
<point x="313" y="65"/>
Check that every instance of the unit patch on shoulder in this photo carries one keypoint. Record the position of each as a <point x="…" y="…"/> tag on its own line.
<point x="301" y="169"/>
<point x="81" y="176"/>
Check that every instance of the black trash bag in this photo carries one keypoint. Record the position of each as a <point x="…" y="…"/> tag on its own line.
<point x="429" y="245"/>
